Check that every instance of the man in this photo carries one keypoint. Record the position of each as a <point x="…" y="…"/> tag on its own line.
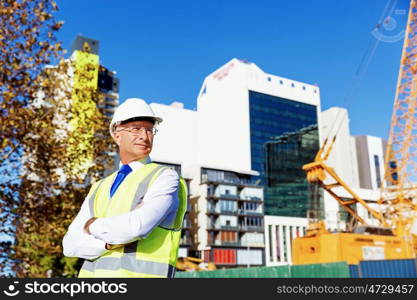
<point x="130" y="223"/>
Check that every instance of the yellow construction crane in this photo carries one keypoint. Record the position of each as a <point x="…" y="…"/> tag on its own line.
<point x="393" y="238"/>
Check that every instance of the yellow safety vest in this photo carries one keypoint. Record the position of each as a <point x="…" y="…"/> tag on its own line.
<point x="154" y="256"/>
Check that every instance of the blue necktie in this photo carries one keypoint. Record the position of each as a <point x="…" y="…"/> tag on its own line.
<point x="121" y="175"/>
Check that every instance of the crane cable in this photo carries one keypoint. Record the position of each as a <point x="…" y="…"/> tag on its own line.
<point x="362" y="68"/>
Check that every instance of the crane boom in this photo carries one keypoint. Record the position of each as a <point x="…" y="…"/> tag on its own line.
<point x="399" y="189"/>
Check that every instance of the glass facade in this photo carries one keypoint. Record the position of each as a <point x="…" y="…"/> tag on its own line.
<point x="284" y="137"/>
<point x="228" y="206"/>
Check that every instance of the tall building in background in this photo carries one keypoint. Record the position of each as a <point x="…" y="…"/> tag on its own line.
<point x="256" y="108"/>
<point x="370" y="154"/>
<point x="224" y="222"/>
<point x="284" y="136"/>
<point x="75" y="75"/>
<point x="107" y="83"/>
<point x="254" y="111"/>
<point x="342" y="159"/>
<point x="224" y="149"/>
<point x="242" y="152"/>
<point x="232" y="219"/>
<point x="358" y="161"/>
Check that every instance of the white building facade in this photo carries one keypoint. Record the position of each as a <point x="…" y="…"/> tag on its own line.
<point x="358" y="161"/>
<point x="218" y="140"/>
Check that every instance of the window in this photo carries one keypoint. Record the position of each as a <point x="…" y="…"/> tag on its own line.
<point x="210" y="190"/>
<point x="284" y="242"/>
<point x="281" y="82"/>
<point x="292" y="85"/>
<point x="393" y="167"/>
<point x="377" y="171"/>
<point x="270" y="242"/>
<point x="304" y="88"/>
<point x="253" y="221"/>
<point x="277" y="243"/>
<point x="269" y="78"/>
<point x="228" y="236"/>
<point x="228" y="206"/>
<point x="250" y="206"/>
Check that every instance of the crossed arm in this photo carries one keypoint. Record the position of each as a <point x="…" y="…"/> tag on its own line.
<point x="87" y="238"/>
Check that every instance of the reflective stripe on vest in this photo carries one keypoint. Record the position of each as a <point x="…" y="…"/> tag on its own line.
<point x="130" y="257"/>
<point x="93" y="196"/>
<point x="129" y="262"/>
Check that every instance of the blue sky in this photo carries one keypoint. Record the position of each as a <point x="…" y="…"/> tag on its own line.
<point x="163" y="50"/>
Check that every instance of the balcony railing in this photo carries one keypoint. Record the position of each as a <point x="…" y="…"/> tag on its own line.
<point x="224" y="243"/>
<point x="229" y="196"/>
<point x="250" y="212"/>
<point x="186" y="224"/>
<point x="222" y="227"/>
<point x="185" y="241"/>
<point x="228" y="212"/>
<point x="234" y="181"/>
<point x="228" y="227"/>
<point x="218" y="211"/>
<point x="213" y="210"/>
<point x="235" y="197"/>
<point x="252" y="244"/>
<point x="251" y="228"/>
<point x="236" y="243"/>
<point x="213" y="226"/>
<point x="248" y="198"/>
<point x="224" y="196"/>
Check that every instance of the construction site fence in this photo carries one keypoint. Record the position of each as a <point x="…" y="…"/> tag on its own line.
<point x="339" y="269"/>
<point x="400" y="268"/>
<point x="395" y="268"/>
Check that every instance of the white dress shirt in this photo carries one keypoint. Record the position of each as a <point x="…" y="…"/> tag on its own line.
<point x="160" y="205"/>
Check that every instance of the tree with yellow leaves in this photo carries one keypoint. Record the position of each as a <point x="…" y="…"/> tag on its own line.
<point x="53" y="139"/>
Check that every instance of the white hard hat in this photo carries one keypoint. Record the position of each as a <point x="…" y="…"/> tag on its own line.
<point x="132" y="108"/>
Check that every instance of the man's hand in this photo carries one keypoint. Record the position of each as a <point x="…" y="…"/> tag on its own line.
<point x="139" y="205"/>
<point x="87" y="225"/>
<point x="108" y="246"/>
<point x="115" y="246"/>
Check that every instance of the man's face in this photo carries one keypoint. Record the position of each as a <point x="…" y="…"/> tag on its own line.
<point x="135" y="140"/>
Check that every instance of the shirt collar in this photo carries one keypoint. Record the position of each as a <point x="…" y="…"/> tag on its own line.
<point x="138" y="163"/>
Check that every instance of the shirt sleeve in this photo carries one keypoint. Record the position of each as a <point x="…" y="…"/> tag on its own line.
<point x="78" y="243"/>
<point x="159" y="202"/>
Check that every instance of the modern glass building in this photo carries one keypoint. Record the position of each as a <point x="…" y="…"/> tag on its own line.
<point x="284" y="137"/>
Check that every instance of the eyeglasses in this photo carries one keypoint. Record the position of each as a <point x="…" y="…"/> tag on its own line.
<point x="138" y="129"/>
